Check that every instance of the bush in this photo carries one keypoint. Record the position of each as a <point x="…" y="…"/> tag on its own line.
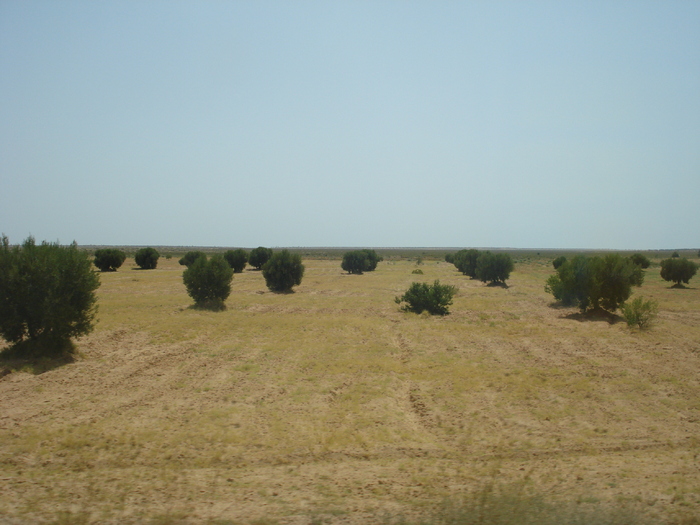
<point x="675" y="255"/>
<point x="354" y="262"/>
<point x="420" y="297"/>
<point x="640" y="313"/>
<point x="283" y="271"/>
<point x="494" y="268"/>
<point x="450" y="258"/>
<point x="237" y="259"/>
<point x="640" y="260"/>
<point x="417" y="271"/>
<point x="678" y="270"/>
<point x="259" y="256"/>
<point x="208" y="281"/>
<point x="595" y="282"/>
<point x="558" y="261"/>
<point x="47" y="293"/>
<point x="147" y="258"/>
<point x="465" y="261"/>
<point x="190" y="257"/>
<point x="109" y="259"/>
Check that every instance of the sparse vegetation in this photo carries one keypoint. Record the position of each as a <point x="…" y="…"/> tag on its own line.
<point x="190" y="257"/>
<point x="259" y="256"/>
<point x="109" y="259"/>
<point x="237" y="259"/>
<point x="423" y="297"/>
<point x="208" y="281"/>
<point x="595" y="282"/>
<point x="283" y="271"/>
<point x="47" y="294"/>
<point x="147" y="258"/>
<point x="678" y="270"/>
<point x="494" y="268"/>
<point x="640" y="313"/>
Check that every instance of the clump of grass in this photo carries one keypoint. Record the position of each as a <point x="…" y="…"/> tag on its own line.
<point x="516" y="505"/>
<point x="639" y="312"/>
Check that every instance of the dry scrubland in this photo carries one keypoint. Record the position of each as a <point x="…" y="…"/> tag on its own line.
<point x="331" y="405"/>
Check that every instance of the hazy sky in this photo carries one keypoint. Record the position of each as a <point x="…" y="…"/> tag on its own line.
<point x="355" y="123"/>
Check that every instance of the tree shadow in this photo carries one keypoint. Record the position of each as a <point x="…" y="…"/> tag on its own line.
<point x="209" y="306"/>
<point x="597" y="314"/>
<point x="680" y="286"/>
<point x="35" y="357"/>
<point x="498" y="285"/>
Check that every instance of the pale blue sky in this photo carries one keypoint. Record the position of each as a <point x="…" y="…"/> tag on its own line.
<point x="389" y="123"/>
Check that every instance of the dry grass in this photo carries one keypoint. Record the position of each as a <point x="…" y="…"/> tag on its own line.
<point x="331" y="404"/>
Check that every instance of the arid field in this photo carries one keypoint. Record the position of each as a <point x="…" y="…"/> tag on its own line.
<point x="330" y="405"/>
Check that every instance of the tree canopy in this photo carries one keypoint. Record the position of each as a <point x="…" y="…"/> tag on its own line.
<point x="678" y="270"/>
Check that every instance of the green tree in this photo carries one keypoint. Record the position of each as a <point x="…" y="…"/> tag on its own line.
<point x="675" y="255"/>
<point x="190" y="257"/>
<point x="208" y="281"/>
<point x="494" y="268"/>
<point x="109" y="259"/>
<point x="147" y="258"/>
<point x="558" y="261"/>
<point x="465" y="261"/>
<point x="355" y="262"/>
<point x="372" y="260"/>
<point x="283" y="271"/>
<point x="595" y="282"/>
<point x="640" y="260"/>
<point x="237" y="259"/>
<point x="47" y="293"/>
<point x="432" y="298"/>
<point x="259" y="256"/>
<point x="450" y="258"/>
<point x="678" y="270"/>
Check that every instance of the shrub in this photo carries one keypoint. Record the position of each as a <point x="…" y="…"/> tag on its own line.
<point x="465" y="261"/>
<point x="283" y="271"/>
<point x="147" y="258"/>
<point x="675" y="255"/>
<point x="237" y="259"/>
<point x="595" y="282"/>
<point x="558" y="261"/>
<point x="640" y="260"/>
<point x="494" y="268"/>
<point x="640" y="313"/>
<point x="678" y="270"/>
<point x="208" y="281"/>
<point x="190" y="257"/>
<point x="434" y="298"/>
<point x="450" y="258"/>
<point x="109" y="259"/>
<point x="259" y="256"/>
<point x="417" y="271"/>
<point x="355" y="262"/>
<point x="47" y="293"/>
<point x="372" y="260"/>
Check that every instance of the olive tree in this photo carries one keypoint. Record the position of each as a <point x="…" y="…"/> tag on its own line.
<point x="465" y="261"/>
<point x="259" y="256"/>
<point x="354" y="262"/>
<point x="493" y="268"/>
<point x="47" y="293"/>
<point x="190" y="257"/>
<point x="109" y="259"/>
<point x="595" y="282"/>
<point x="423" y="297"/>
<point x="147" y="258"/>
<point x="283" y="271"/>
<point x="678" y="270"/>
<point x="237" y="259"/>
<point x="208" y="282"/>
